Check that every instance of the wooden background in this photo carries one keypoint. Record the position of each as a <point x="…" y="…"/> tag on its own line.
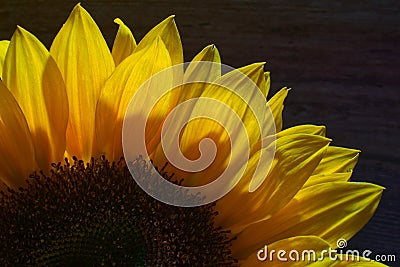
<point x="340" y="57"/>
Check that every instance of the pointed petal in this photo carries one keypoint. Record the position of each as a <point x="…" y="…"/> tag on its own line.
<point x="267" y="83"/>
<point x="209" y="53"/>
<point x="329" y="210"/>
<point x="337" y="159"/>
<point x="85" y="63"/>
<point x="33" y="77"/>
<point x="231" y="115"/>
<point x="304" y="129"/>
<point x="256" y="73"/>
<point x="290" y="252"/>
<point x="3" y="50"/>
<point x="118" y="91"/>
<point x="276" y="105"/>
<point x="169" y="34"/>
<point x="124" y="43"/>
<point x="17" y="154"/>
<point x="295" y="159"/>
<point x="199" y="72"/>
<point x="204" y="68"/>
<point x="325" y="178"/>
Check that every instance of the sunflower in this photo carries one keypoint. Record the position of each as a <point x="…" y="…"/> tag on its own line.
<point x="67" y="195"/>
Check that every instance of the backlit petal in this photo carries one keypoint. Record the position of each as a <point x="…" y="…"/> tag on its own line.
<point x="337" y="159"/>
<point x="17" y="154"/>
<point x="199" y="70"/>
<point x="3" y="50"/>
<point x="234" y="84"/>
<point x="295" y="159"/>
<point x="118" y="91"/>
<point x="341" y="211"/>
<point x="276" y="106"/>
<point x="169" y="34"/>
<point x="33" y="77"/>
<point x="85" y="63"/>
<point x="267" y="86"/>
<point x="324" y="178"/>
<point x="124" y="43"/>
<point x="304" y="129"/>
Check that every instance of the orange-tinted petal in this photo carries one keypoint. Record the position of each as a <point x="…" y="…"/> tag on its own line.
<point x="17" y="154"/>
<point x="33" y="77"/>
<point x="119" y="90"/>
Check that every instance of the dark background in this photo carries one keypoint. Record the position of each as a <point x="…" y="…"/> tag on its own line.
<point x="340" y="57"/>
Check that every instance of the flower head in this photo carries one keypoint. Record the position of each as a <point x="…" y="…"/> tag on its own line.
<point x="288" y="189"/>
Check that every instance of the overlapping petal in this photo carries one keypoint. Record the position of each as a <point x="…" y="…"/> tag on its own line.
<point x="276" y="106"/>
<point x="341" y="211"/>
<point x="17" y="152"/>
<point x="338" y="159"/>
<point x="228" y="90"/>
<point x="85" y="63"/>
<point x="3" y="50"/>
<point x="124" y="43"/>
<point x="169" y="34"/>
<point x="304" y="129"/>
<point x="295" y="159"/>
<point x="119" y="90"/>
<point x="33" y="77"/>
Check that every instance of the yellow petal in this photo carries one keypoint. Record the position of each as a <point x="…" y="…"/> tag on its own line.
<point x="222" y="102"/>
<point x="291" y="252"/>
<point x="3" y="50"/>
<point x="304" y="129"/>
<point x="124" y="43"/>
<point x="256" y="73"/>
<point x="118" y="91"/>
<point x="295" y="159"/>
<point x="328" y="210"/>
<point x="209" y="53"/>
<point x="325" y="178"/>
<point x="202" y="70"/>
<point x="337" y="159"/>
<point x="17" y="154"/>
<point x="199" y="70"/>
<point x="199" y="73"/>
<point x="85" y="63"/>
<point x="267" y="86"/>
<point x="169" y="34"/>
<point x="33" y="77"/>
<point x="276" y="105"/>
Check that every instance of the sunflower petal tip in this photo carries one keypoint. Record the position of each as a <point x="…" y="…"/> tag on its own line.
<point x="19" y="30"/>
<point x="118" y="21"/>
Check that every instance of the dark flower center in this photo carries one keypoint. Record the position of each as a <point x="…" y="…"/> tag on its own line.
<point x="95" y="214"/>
